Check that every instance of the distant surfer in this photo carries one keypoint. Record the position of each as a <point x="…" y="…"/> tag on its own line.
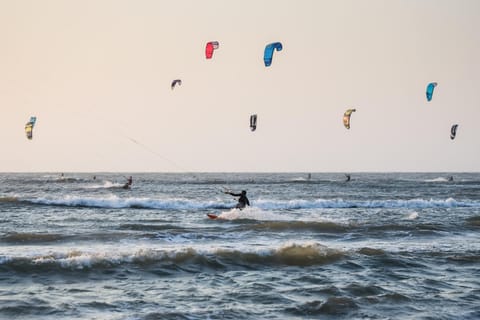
<point x="347" y="176"/>
<point x="61" y="178"/>
<point x="242" y="201"/>
<point x="128" y="184"/>
<point x="450" y="178"/>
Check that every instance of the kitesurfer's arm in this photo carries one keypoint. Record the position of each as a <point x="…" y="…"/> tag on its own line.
<point x="233" y="194"/>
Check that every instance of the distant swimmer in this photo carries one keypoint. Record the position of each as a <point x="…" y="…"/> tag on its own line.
<point x="348" y="177"/>
<point x="242" y="201"/>
<point x="128" y="184"/>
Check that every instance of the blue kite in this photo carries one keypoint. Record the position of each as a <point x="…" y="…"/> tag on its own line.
<point x="431" y="86"/>
<point x="268" y="54"/>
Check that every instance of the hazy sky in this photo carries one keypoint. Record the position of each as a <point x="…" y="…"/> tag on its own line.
<point x="97" y="75"/>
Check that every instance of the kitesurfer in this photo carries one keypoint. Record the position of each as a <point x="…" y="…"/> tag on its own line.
<point x="348" y="177"/>
<point x="242" y="201"/>
<point x="128" y="184"/>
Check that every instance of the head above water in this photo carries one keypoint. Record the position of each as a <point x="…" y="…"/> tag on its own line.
<point x="244" y="192"/>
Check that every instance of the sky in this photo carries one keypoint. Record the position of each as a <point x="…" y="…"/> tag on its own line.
<point x="97" y="75"/>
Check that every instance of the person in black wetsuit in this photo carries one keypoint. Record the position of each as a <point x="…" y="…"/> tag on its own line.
<point x="242" y="201"/>
<point x="128" y="184"/>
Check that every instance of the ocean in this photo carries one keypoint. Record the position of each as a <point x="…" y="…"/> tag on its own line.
<point x="380" y="246"/>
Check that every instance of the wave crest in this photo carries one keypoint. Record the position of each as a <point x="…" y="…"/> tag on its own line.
<point x="187" y="258"/>
<point x="116" y="202"/>
<point x="340" y="203"/>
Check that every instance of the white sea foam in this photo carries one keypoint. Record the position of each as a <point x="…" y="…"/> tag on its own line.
<point x="340" y="203"/>
<point x="439" y="179"/>
<point x="260" y="205"/>
<point x="83" y="257"/>
<point x="412" y="215"/>
<point x="251" y="213"/>
<point x="105" y="185"/>
<point x="117" y="202"/>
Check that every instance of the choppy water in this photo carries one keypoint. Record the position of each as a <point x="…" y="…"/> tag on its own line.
<point x="382" y="246"/>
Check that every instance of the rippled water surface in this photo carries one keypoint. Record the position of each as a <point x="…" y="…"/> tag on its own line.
<point x="381" y="246"/>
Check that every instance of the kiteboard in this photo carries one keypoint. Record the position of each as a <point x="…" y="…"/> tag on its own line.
<point x="212" y="216"/>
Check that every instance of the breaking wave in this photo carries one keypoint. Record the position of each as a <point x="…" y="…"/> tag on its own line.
<point x="340" y="203"/>
<point x="8" y="199"/>
<point x="116" y="202"/>
<point x="290" y="254"/>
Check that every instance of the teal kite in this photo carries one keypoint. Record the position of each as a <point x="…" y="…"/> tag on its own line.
<point x="431" y="86"/>
<point x="268" y="54"/>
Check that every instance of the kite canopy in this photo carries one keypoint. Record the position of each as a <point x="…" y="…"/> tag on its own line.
<point x="453" y="131"/>
<point x="29" y="127"/>
<point x="175" y="82"/>
<point x="431" y="86"/>
<point x="210" y="47"/>
<point x="346" y="118"/>
<point x="253" y="122"/>
<point x="268" y="54"/>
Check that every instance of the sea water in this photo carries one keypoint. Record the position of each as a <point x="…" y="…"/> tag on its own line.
<point x="381" y="246"/>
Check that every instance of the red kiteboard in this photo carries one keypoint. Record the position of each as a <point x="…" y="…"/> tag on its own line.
<point x="212" y="216"/>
